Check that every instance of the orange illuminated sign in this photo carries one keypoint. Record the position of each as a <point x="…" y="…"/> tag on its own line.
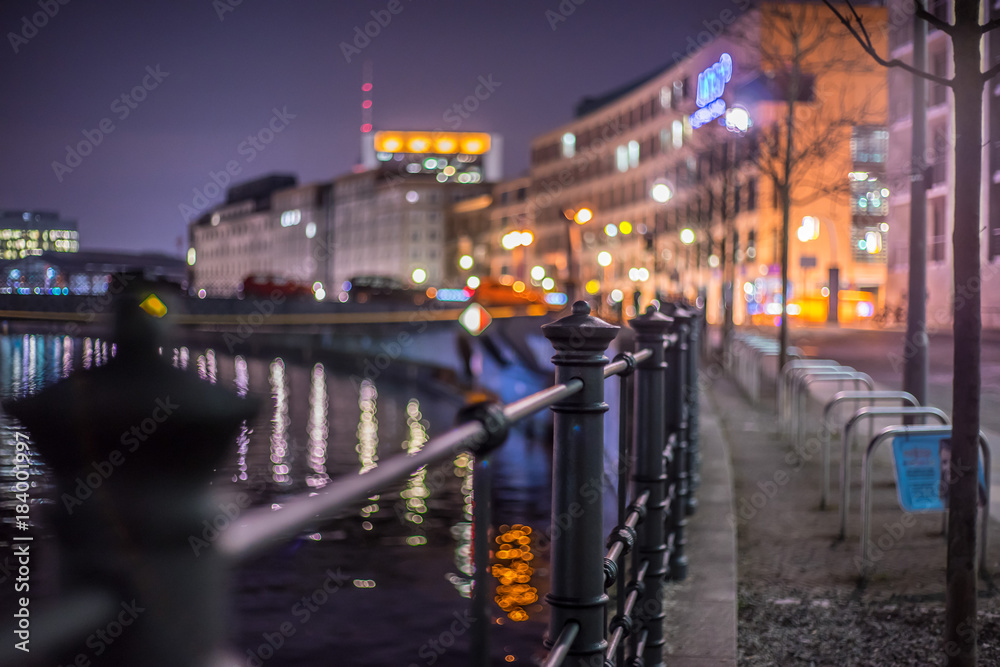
<point x="441" y="143"/>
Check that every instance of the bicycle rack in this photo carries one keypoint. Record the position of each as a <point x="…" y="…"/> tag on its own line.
<point x="845" y="460"/>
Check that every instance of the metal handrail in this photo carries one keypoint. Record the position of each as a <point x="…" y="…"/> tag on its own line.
<point x="263" y="526"/>
<point x="562" y="644"/>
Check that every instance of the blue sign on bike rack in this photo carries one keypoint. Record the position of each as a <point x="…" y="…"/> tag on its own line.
<point x="922" y="465"/>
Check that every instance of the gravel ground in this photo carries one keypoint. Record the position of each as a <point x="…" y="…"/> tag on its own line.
<point x="801" y="600"/>
<point x="783" y="626"/>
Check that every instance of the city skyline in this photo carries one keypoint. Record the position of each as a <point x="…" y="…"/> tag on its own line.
<point x="162" y="100"/>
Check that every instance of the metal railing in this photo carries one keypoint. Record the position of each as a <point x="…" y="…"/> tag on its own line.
<point x="657" y="434"/>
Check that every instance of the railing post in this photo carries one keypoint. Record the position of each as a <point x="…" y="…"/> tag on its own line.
<point x="691" y="396"/>
<point x="651" y="475"/>
<point x="577" y="552"/>
<point x="676" y="427"/>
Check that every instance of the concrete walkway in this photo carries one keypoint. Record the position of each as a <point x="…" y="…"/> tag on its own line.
<point x="701" y="610"/>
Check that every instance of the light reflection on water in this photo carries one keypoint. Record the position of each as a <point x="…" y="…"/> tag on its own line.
<point x="318" y="423"/>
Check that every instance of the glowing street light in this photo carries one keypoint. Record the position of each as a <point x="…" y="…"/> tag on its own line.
<point x="583" y="216"/>
<point x="661" y="191"/>
<point x="418" y="276"/>
<point x="465" y="262"/>
<point x="687" y="236"/>
<point x="537" y="272"/>
<point x="604" y="258"/>
<point x="514" y="239"/>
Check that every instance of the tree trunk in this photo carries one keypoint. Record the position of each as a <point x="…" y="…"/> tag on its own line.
<point x="786" y="212"/>
<point x="960" y="613"/>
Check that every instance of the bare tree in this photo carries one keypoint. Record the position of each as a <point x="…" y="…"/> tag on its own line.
<point x="966" y="32"/>
<point x="824" y="89"/>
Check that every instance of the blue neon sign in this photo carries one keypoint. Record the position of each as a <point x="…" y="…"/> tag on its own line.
<point x="712" y="82"/>
<point x="711" y="86"/>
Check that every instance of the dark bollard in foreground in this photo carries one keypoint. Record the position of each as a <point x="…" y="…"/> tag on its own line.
<point x="577" y="593"/>
<point x="133" y="446"/>
<point x="651" y="474"/>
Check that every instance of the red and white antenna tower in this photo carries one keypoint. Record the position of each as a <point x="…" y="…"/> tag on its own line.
<point x="367" y="136"/>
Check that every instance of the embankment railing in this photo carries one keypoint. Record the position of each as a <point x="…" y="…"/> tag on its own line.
<point x="657" y="454"/>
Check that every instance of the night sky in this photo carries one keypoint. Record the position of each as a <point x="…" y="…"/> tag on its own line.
<point x="215" y="72"/>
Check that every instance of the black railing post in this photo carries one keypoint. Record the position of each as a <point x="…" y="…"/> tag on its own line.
<point x="577" y="552"/>
<point x="691" y="402"/>
<point x="676" y="412"/>
<point x="651" y="475"/>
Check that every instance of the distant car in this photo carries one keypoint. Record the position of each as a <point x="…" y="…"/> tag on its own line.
<point x="265" y="286"/>
<point x="494" y="293"/>
<point x="376" y="289"/>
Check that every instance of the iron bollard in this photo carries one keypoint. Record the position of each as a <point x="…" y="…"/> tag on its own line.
<point x="577" y="557"/>
<point x="133" y="445"/>
<point x="676" y="410"/>
<point x="694" y="432"/>
<point x="651" y="475"/>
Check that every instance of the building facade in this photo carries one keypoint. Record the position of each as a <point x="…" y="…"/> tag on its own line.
<point x="678" y="175"/>
<point x="26" y="233"/>
<point x="938" y="168"/>
<point x="400" y="218"/>
<point x="268" y="228"/>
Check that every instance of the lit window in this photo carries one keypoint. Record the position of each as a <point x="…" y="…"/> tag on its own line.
<point x="677" y="132"/>
<point x="665" y="94"/>
<point x="568" y="144"/>
<point x="621" y="158"/>
<point x="633" y="154"/>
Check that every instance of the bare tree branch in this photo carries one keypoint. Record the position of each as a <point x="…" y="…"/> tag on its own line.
<point x="865" y="41"/>
<point x="991" y="72"/>
<point x="941" y="25"/>
<point x="991" y="25"/>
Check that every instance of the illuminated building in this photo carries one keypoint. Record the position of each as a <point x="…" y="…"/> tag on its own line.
<point x="267" y="227"/>
<point x="938" y="171"/>
<point x="675" y="151"/>
<point x="391" y="219"/>
<point x="24" y="233"/>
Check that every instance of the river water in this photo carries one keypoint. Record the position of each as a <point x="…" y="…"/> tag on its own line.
<point x="399" y="565"/>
